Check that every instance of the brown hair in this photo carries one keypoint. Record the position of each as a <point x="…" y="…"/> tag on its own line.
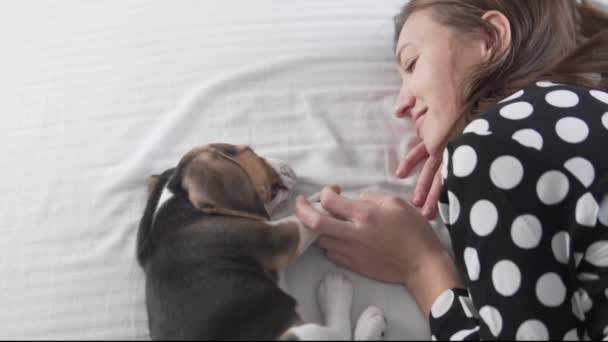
<point x="564" y="41"/>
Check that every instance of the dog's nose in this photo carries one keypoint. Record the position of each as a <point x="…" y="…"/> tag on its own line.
<point x="288" y="176"/>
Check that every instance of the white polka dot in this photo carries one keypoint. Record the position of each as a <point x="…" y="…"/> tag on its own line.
<point x="561" y="247"/>
<point x="577" y="310"/>
<point x="529" y="138"/>
<point x="484" y="218"/>
<point x="479" y="127"/>
<point x="587" y="211"/>
<point x="463" y="334"/>
<point x="585" y="301"/>
<point x="517" y="111"/>
<point x="581" y="304"/>
<point x="546" y="84"/>
<point x="572" y="130"/>
<point x="572" y="335"/>
<point x="603" y="215"/>
<point x="600" y="95"/>
<point x="552" y="187"/>
<point x="605" y="120"/>
<point x="550" y="290"/>
<point x="606" y="293"/>
<point x="467" y="306"/>
<point x="442" y="304"/>
<point x="588" y="277"/>
<point x="578" y="258"/>
<point x="492" y="318"/>
<point x="444" y="164"/>
<point x="526" y="231"/>
<point x="562" y="98"/>
<point x="582" y="169"/>
<point x="506" y="278"/>
<point x="532" y="330"/>
<point x="471" y="260"/>
<point x="513" y="97"/>
<point x="506" y="172"/>
<point x="433" y="338"/>
<point x="454" y="208"/>
<point x="464" y="161"/>
<point x="597" y="254"/>
<point x="444" y="212"/>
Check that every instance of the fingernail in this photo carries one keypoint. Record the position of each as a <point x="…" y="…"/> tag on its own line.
<point x="425" y="212"/>
<point x="300" y="200"/>
<point x="400" y="173"/>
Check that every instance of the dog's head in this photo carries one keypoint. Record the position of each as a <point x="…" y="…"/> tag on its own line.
<point x="232" y="180"/>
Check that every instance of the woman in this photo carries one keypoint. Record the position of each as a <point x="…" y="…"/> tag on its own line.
<point x="511" y="96"/>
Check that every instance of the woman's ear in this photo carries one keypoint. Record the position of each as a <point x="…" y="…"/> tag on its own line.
<point x="502" y="27"/>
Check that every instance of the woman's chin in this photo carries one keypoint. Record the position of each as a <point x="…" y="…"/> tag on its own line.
<point x="433" y="144"/>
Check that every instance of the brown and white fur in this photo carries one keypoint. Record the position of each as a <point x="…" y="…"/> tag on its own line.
<point x="213" y="257"/>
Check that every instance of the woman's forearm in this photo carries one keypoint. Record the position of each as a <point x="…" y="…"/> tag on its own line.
<point x="434" y="275"/>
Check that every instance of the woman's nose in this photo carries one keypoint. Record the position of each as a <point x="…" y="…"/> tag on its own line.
<point x="405" y="102"/>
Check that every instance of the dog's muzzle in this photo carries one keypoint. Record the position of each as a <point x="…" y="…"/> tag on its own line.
<point x="289" y="178"/>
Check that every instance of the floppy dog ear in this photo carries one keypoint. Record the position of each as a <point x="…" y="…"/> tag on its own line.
<point x="152" y="183"/>
<point x="217" y="184"/>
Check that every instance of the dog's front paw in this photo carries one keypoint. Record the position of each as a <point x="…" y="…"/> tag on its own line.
<point x="335" y="295"/>
<point x="371" y="325"/>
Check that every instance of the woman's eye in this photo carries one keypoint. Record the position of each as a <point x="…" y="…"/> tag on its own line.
<point x="410" y="68"/>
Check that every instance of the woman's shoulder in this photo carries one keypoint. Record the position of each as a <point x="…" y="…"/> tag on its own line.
<point x="554" y="96"/>
<point x="546" y="118"/>
<point x="538" y="129"/>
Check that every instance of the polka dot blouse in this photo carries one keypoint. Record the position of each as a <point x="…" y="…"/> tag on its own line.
<point x="525" y="200"/>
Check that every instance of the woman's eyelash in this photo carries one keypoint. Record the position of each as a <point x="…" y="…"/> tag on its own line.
<point x="412" y="65"/>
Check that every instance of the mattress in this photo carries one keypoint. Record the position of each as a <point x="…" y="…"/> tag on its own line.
<point x="97" y="96"/>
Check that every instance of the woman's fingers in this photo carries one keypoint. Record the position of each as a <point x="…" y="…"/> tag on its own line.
<point x="335" y="188"/>
<point x="382" y="199"/>
<point x="425" y="180"/>
<point x="430" y="207"/>
<point x="320" y="222"/>
<point x="339" y="260"/>
<point x="338" y="205"/>
<point x="332" y="244"/>
<point x="413" y="157"/>
<point x="336" y="250"/>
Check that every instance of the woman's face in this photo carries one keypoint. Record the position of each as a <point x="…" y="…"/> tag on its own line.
<point x="433" y="62"/>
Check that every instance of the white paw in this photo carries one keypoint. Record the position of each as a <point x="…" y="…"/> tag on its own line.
<point x="371" y="325"/>
<point x="315" y="198"/>
<point x="335" y="296"/>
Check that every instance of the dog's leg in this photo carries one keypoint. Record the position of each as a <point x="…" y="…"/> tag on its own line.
<point x="306" y="236"/>
<point x="311" y="332"/>
<point x="335" y="301"/>
<point x="371" y="325"/>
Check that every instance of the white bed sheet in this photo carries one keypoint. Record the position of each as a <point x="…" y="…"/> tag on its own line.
<point x="96" y="96"/>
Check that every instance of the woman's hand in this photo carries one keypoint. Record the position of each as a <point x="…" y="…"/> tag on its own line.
<point x="382" y="237"/>
<point x="428" y="185"/>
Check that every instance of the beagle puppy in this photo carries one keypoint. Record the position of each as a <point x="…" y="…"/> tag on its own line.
<point x="212" y="256"/>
